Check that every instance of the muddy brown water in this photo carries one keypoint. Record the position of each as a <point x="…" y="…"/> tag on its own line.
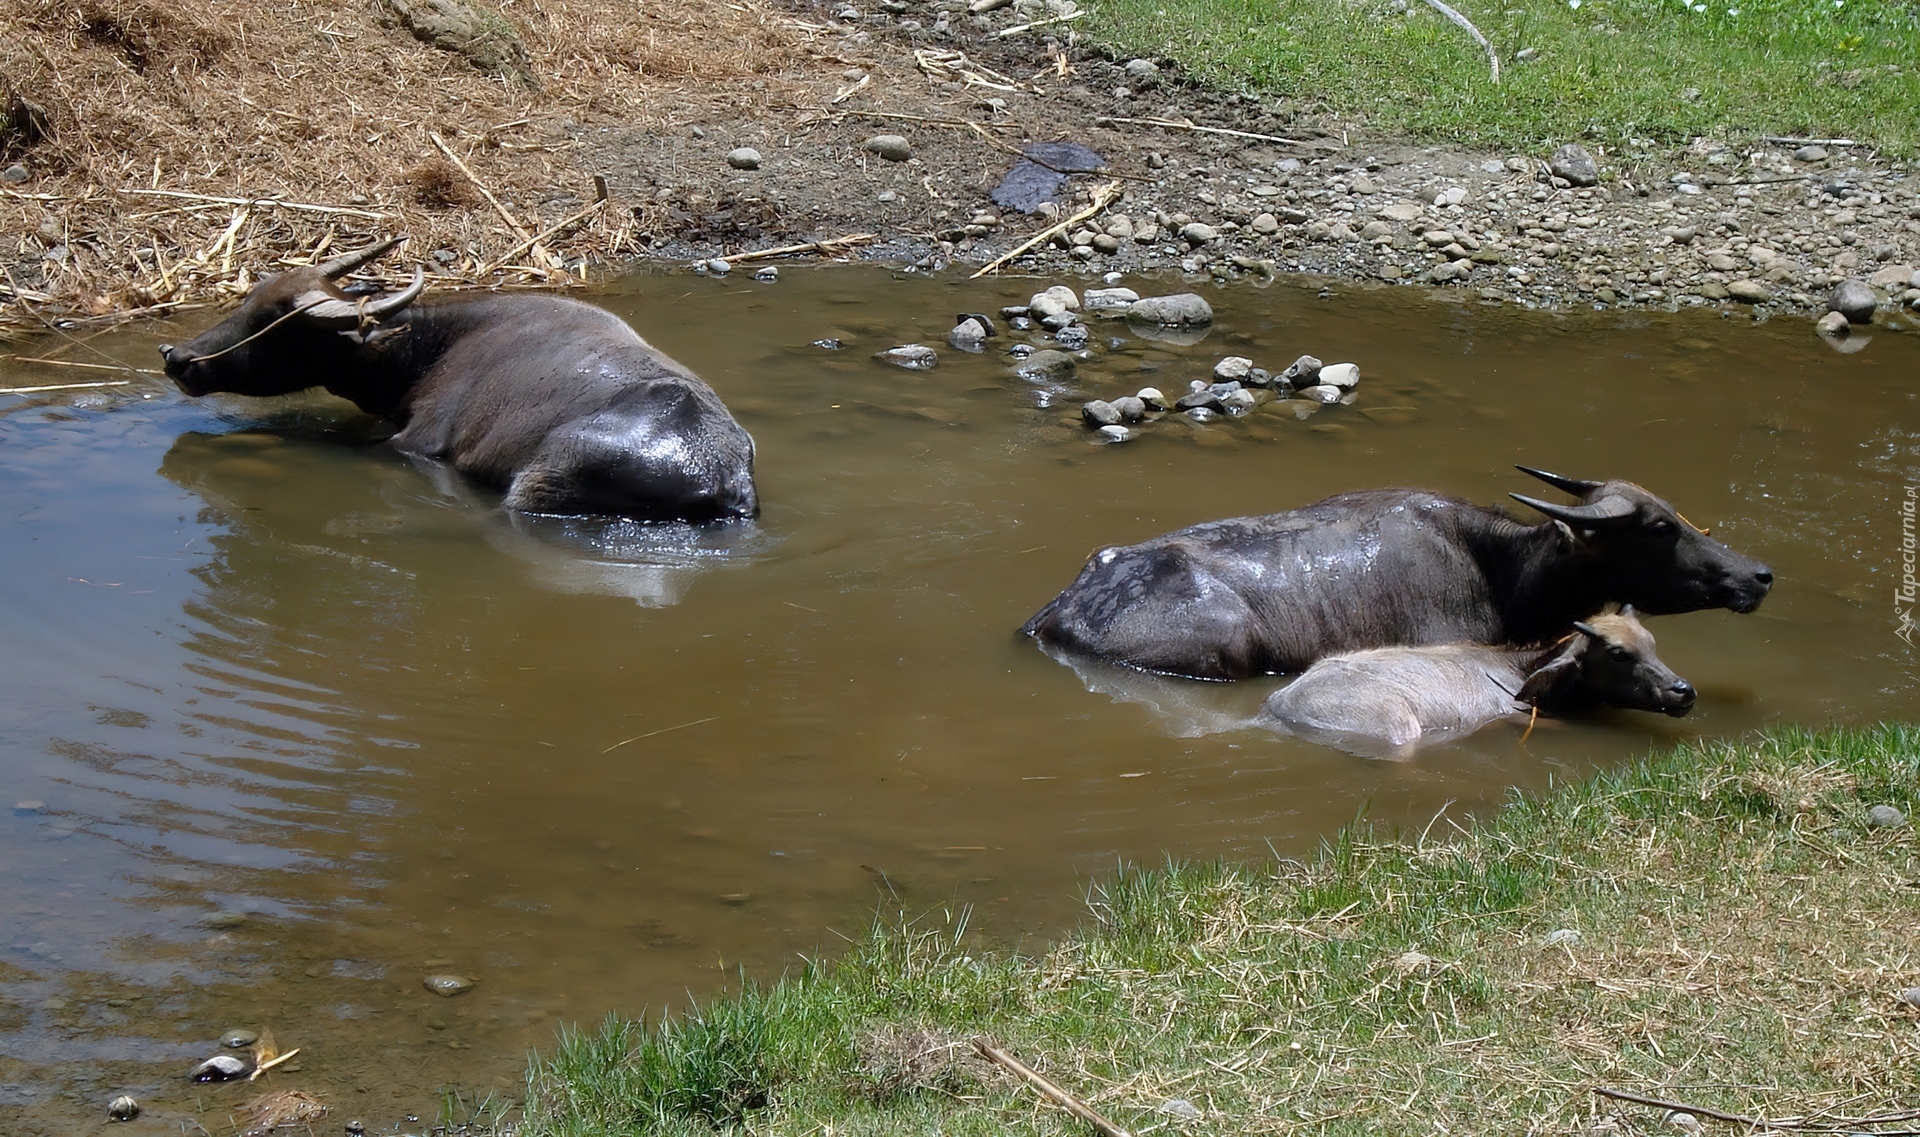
<point x="256" y="663"/>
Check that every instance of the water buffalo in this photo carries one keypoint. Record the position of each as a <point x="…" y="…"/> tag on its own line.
<point x="556" y="403"/>
<point x="1387" y="701"/>
<point x="1389" y="568"/>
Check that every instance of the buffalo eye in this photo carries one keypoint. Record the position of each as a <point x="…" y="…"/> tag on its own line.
<point x="1619" y="653"/>
<point x="1662" y="527"/>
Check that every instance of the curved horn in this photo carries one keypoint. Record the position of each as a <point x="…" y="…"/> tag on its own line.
<point x="334" y="312"/>
<point x="1586" y="629"/>
<point x="1610" y="510"/>
<point x="347" y="262"/>
<point x="387" y="305"/>
<point x="1571" y="485"/>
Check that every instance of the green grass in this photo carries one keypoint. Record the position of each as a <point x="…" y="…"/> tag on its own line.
<point x="1743" y="936"/>
<point x="1611" y="70"/>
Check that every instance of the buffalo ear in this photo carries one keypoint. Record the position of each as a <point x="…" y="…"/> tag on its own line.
<point x="1551" y="674"/>
<point x="1609" y="512"/>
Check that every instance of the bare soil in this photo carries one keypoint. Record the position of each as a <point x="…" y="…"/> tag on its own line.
<point x="193" y="147"/>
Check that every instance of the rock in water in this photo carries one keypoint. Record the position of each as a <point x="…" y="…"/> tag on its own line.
<point x="1180" y="310"/>
<point x="123" y="1108"/>
<point x="892" y="147"/>
<point x="219" y="1068"/>
<point x="1855" y="300"/>
<point x="913" y="357"/>
<point x="1320" y="393"/>
<point x="239" y="1039"/>
<point x="1055" y="301"/>
<point x="1302" y="372"/>
<point x="1046" y="364"/>
<point x="1832" y="324"/>
<point x="1342" y="375"/>
<point x="447" y="984"/>
<point x="1099" y="412"/>
<point x="1152" y="398"/>
<point x="1110" y="299"/>
<point x="744" y="158"/>
<point x="1573" y="163"/>
<point x="968" y="330"/>
<point x="1115" y="433"/>
<point x="1234" y="368"/>
<point x="1132" y="408"/>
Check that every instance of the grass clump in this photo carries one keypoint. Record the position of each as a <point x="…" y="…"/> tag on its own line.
<point x="1721" y="925"/>
<point x="1613" y="70"/>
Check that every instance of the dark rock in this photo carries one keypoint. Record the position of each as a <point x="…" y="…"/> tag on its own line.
<point x="1854" y="299"/>
<point x="744" y="158"/>
<point x="1099" y="412"/>
<point x="1073" y="337"/>
<point x="985" y="321"/>
<point x="1132" y="408"/>
<point x="1035" y="180"/>
<point x="892" y="147"/>
<point x="1206" y="398"/>
<point x="1302" y="372"/>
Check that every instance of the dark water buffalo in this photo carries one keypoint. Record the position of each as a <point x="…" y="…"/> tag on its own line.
<point x="1388" y="701"/>
<point x="556" y="403"/>
<point x="1389" y="568"/>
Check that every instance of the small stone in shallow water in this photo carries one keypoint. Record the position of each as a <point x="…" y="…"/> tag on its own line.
<point x="239" y="1039"/>
<point x="968" y="329"/>
<point x="1181" y="310"/>
<point x="1131" y="407"/>
<point x="767" y="274"/>
<point x="1885" y="817"/>
<point x="913" y="356"/>
<point x="447" y="984"/>
<point x="1073" y="337"/>
<point x="223" y="921"/>
<point x="123" y="1108"/>
<point x="744" y="158"/>
<point x="829" y="344"/>
<point x="1099" y="412"/>
<point x="1204" y="399"/>
<point x="1303" y="372"/>
<point x="1832" y="324"/>
<point x="219" y="1068"/>
<point x="1152" y="397"/>
<point x="1233" y="367"/>
<point x="1340" y="375"/>
<point x="1239" y="402"/>
<point x="1854" y="299"/>
<point x="1202" y="414"/>
<point x="1320" y="393"/>
<point x="1109" y="299"/>
<point x="26" y="805"/>
<point x="1115" y="433"/>
<point x="718" y="267"/>
<point x="1053" y="302"/>
<point x="1045" y="363"/>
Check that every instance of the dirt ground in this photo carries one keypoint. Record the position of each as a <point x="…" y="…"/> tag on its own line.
<point x="162" y="156"/>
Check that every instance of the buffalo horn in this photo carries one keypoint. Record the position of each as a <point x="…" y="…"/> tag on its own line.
<point x="1611" y="509"/>
<point x="332" y="311"/>
<point x="347" y="262"/>
<point x="1571" y="485"/>
<point x="1586" y="629"/>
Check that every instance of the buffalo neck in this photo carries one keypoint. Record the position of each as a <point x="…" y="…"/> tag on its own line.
<point x="1539" y="579"/>
<point x="384" y="371"/>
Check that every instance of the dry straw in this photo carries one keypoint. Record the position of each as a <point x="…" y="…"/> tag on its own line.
<point x="201" y="144"/>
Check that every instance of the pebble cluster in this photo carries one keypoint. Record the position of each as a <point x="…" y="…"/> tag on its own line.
<point x="1237" y="387"/>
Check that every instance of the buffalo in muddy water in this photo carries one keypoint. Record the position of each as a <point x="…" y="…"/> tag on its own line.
<point x="1389" y="568"/>
<point x="1388" y="701"/>
<point x="556" y="403"/>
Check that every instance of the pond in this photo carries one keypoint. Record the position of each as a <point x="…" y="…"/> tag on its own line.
<point x="294" y="722"/>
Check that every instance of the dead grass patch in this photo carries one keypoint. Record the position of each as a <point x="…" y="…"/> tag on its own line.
<point x="190" y="147"/>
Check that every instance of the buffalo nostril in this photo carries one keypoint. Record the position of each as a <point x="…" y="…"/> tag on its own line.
<point x="1764" y="576"/>
<point x="1682" y="689"/>
<point x="166" y="351"/>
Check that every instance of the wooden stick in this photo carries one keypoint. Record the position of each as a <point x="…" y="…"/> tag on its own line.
<point x="62" y="386"/>
<point x="1797" y="1124"/>
<point x="1783" y="141"/>
<point x="256" y="202"/>
<point x="1493" y="57"/>
<point x="1018" y="28"/>
<point x="1182" y="124"/>
<point x="1060" y="1096"/>
<point x="271" y="1063"/>
<point x="77" y="363"/>
<point x="1697" y="1110"/>
<point x="532" y="241"/>
<point x="820" y="247"/>
<point x="1102" y="197"/>
<point x="482" y="187"/>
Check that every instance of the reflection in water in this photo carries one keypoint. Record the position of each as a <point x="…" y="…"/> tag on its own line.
<point x="299" y="722"/>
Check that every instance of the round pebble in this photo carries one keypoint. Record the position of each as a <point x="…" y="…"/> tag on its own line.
<point x="718" y="267"/>
<point x="123" y="1108"/>
<point x="447" y="984"/>
<point x="239" y="1039"/>
<point x="219" y="1068"/>
<point x="892" y="147"/>
<point x="1911" y="996"/>
<point x="1115" y="433"/>
<point x="27" y="805"/>
<point x="1885" y="817"/>
<point x="744" y="158"/>
<point x="767" y="274"/>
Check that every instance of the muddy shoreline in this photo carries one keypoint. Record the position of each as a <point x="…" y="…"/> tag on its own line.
<point x="1266" y="188"/>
